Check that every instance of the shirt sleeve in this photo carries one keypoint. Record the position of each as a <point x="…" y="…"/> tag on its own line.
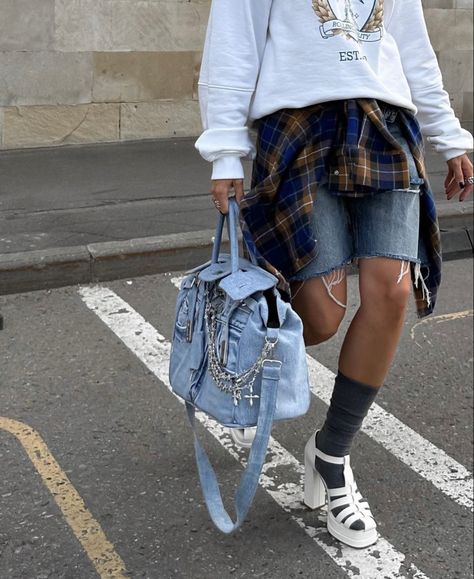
<point x="233" y="48"/>
<point x="437" y="119"/>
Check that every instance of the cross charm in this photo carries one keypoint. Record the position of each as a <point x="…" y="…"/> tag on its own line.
<point x="251" y="398"/>
<point x="237" y="396"/>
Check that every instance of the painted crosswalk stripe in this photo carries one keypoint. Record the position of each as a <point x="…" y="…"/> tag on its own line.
<point x="153" y="349"/>
<point x="426" y="459"/>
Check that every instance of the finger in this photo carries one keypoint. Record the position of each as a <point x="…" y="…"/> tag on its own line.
<point x="224" y="208"/>
<point x="467" y="170"/>
<point x="239" y="190"/>
<point x="449" y="178"/>
<point x="223" y="197"/>
<point x="459" y="175"/>
<point x="466" y="165"/>
<point x="453" y="190"/>
<point x="466" y="192"/>
<point x="457" y="183"/>
<point x="220" y="193"/>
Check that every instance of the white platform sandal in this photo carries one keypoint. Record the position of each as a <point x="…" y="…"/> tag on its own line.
<point x="356" y="508"/>
<point x="243" y="436"/>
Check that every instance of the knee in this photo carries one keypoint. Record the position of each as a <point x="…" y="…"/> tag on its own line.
<point x="386" y="297"/>
<point x="320" y="315"/>
<point x="317" y="331"/>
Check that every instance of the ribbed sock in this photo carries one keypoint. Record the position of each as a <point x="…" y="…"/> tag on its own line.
<point x="350" y="403"/>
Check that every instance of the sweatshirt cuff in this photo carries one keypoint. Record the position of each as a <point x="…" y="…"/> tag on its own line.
<point x="451" y="153"/>
<point x="227" y="167"/>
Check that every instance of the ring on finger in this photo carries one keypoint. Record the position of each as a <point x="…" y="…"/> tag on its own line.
<point x="470" y="180"/>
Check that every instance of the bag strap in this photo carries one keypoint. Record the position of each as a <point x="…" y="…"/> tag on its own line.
<point x="231" y="230"/>
<point x="221" y="218"/>
<point x="232" y="224"/>
<point x="249" y="482"/>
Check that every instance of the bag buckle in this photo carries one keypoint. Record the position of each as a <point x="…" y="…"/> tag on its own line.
<point x="275" y="360"/>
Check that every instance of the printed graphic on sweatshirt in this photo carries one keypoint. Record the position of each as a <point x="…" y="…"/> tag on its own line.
<point x="361" y="20"/>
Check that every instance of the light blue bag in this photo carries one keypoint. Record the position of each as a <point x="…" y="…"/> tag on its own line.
<point x="237" y="354"/>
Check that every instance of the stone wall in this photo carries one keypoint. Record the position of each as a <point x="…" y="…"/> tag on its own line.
<point x="88" y="71"/>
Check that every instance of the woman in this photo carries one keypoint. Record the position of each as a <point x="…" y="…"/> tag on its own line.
<point x="340" y="92"/>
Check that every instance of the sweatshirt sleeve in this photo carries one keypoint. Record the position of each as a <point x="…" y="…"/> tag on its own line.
<point x="437" y="119"/>
<point x="233" y="47"/>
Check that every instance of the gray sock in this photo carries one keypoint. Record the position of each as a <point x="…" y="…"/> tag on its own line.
<point x="350" y="402"/>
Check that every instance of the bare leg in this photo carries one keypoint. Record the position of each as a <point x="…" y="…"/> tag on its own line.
<point x="366" y="354"/>
<point x="372" y="338"/>
<point x="321" y="314"/>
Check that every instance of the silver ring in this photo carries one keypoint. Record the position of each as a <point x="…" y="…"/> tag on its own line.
<point x="470" y="180"/>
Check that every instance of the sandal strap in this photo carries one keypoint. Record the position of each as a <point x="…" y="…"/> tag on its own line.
<point x="340" y="502"/>
<point x="354" y="506"/>
<point x="328" y="458"/>
<point x="351" y="513"/>
<point x="349" y="510"/>
<point x="339" y="492"/>
<point x="345" y="491"/>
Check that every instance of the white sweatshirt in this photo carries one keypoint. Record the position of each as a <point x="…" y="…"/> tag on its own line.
<point x="263" y="55"/>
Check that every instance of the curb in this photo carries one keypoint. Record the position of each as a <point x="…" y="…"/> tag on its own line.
<point x="63" y="266"/>
<point x="106" y="261"/>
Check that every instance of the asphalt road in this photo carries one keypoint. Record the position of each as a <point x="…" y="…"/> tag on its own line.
<point x="98" y="477"/>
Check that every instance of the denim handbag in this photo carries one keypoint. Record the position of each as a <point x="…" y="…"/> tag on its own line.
<point x="238" y="355"/>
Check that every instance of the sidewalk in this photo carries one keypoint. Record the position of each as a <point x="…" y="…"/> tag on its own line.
<point x="77" y="214"/>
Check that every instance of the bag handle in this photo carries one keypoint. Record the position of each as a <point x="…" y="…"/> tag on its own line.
<point x="249" y="482"/>
<point x="232" y="224"/>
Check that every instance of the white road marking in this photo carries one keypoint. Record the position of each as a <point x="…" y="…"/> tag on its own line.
<point x="153" y="349"/>
<point x="426" y="459"/>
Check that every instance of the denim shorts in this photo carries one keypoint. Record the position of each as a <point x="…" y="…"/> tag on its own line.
<point x="378" y="224"/>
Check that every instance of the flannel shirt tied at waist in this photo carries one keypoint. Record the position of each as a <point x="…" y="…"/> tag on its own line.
<point x="347" y="144"/>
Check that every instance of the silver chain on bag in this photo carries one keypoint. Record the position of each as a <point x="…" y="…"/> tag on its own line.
<point x="231" y="383"/>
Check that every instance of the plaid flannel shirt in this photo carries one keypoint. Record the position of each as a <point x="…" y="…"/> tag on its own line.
<point x="347" y="143"/>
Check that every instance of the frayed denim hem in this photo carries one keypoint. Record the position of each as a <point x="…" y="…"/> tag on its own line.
<point x="305" y="276"/>
<point x="336" y="274"/>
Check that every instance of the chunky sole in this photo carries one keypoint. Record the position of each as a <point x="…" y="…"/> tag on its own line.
<point x="315" y="496"/>
<point x="350" y="536"/>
